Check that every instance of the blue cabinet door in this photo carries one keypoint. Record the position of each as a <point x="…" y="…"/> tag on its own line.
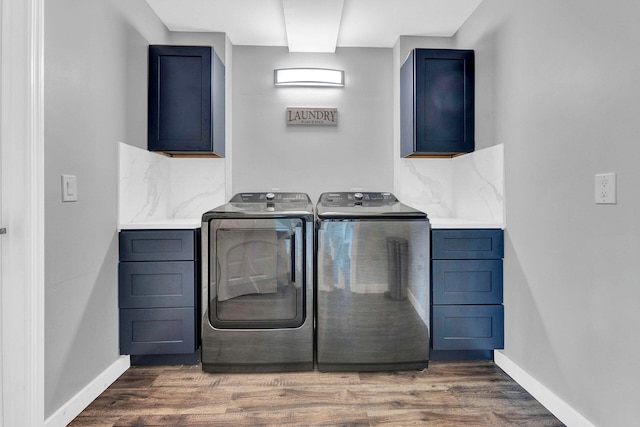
<point x="437" y="102"/>
<point x="186" y="100"/>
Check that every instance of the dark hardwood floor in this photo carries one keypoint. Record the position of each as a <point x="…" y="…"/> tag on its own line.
<point x="445" y="394"/>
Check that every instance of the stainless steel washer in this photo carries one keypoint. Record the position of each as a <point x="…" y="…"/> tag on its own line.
<point x="257" y="287"/>
<point x="372" y="283"/>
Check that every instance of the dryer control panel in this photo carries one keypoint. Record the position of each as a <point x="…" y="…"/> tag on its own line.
<point x="270" y="197"/>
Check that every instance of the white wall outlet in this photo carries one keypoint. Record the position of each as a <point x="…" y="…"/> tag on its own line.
<point x="605" y="188"/>
<point x="69" y="188"/>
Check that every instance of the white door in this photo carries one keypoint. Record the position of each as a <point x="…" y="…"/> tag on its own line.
<point x="2" y="384"/>
<point x="22" y="213"/>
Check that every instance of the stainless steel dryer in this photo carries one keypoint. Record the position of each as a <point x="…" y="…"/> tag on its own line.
<point x="257" y="287"/>
<point x="372" y="283"/>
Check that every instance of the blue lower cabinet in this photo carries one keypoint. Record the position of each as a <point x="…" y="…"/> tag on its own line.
<point x="467" y="315"/>
<point x="158" y="296"/>
<point x="468" y="327"/>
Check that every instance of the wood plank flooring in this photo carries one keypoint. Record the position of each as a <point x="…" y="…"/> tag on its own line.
<point x="445" y="394"/>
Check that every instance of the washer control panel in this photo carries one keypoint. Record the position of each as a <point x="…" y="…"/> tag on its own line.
<point x="357" y="198"/>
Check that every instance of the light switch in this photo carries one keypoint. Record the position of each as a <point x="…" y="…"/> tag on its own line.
<point x="69" y="188"/>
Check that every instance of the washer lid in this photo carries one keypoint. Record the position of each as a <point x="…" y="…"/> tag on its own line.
<point x="371" y="205"/>
<point x="260" y="204"/>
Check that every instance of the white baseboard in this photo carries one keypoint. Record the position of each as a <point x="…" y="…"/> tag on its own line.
<point x="84" y="397"/>
<point x="546" y="397"/>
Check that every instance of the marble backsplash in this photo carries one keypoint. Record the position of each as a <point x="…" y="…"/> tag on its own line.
<point x="468" y="187"/>
<point x="153" y="187"/>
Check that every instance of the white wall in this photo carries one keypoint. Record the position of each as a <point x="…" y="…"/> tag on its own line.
<point x="357" y="153"/>
<point x="561" y="93"/>
<point x="95" y="96"/>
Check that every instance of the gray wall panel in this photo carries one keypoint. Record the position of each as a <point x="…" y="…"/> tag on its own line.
<point x="357" y="153"/>
<point x="561" y="83"/>
<point x="95" y="95"/>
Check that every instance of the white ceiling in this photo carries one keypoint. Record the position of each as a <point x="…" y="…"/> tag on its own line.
<point x="342" y="23"/>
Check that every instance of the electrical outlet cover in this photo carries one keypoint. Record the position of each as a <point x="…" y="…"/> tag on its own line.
<point x="605" y="189"/>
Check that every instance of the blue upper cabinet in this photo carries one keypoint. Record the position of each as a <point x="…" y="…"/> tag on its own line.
<point x="437" y="103"/>
<point x="186" y="100"/>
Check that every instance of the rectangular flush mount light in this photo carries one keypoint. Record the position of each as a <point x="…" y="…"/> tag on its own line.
<point x="320" y="77"/>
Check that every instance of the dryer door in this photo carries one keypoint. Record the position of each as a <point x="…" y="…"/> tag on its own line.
<point x="256" y="273"/>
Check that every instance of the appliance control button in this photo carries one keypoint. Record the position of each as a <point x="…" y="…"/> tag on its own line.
<point x="358" y="196"/>
<point x="270" y="196"/>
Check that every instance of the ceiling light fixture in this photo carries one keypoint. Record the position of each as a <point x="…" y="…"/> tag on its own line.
<point x="319" y="77"/>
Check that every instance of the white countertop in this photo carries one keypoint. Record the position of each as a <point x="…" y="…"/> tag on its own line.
<point x="462" y="223"/>
<point x="191" y="223"/>
<point x="163" y="224"/>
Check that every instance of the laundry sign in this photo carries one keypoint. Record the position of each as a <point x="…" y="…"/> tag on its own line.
<point x="312" y="116"/>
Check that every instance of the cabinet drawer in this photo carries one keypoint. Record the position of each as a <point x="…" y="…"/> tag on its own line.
<point x="156" y="284"/>
<point x="157" y="245"/>
<point x="157" y="331"/>
<point x="467" y="244"/>
<point x="468" y="327"/>
<point x="467" y="281"/>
